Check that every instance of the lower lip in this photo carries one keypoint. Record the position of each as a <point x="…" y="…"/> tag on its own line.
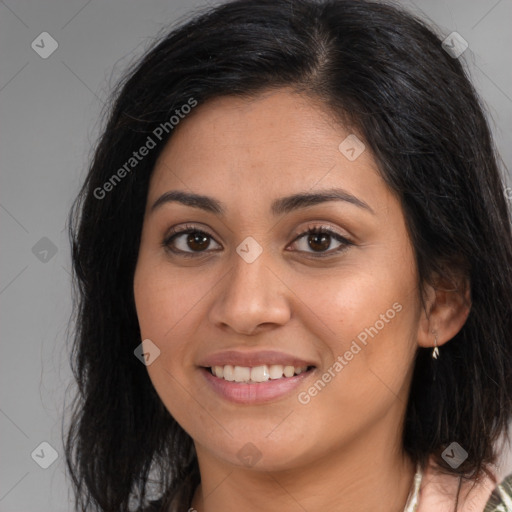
<point x="254" y="393"/>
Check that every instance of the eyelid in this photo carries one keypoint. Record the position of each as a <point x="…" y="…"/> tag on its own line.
<point x="324" y="227"/>
<point x="184" y="228"/>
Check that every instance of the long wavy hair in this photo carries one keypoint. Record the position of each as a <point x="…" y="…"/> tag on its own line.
<point x="383" y="73"/>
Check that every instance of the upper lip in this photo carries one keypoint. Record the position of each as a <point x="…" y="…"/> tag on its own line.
<point x="245" y="358"/>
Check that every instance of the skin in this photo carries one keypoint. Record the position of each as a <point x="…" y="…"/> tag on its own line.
<point x="342" y="450"/>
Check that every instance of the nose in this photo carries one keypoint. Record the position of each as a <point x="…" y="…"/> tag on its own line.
<point x="250" y="298"/>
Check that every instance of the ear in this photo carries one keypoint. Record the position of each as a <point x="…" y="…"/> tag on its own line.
<point x="447" y="307"/>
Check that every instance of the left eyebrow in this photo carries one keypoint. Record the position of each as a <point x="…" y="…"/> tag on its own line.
<point x="279" y="206"/>
<point x="305" y="199"/>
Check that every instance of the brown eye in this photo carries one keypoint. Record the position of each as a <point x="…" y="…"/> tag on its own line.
<point x="319" y="239"/>
<point x="192" y="241"/>
<point x="197" y="241"/>
<point x="188" y="241"/>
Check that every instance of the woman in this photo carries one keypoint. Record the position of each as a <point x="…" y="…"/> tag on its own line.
<point x="294" y="266"/>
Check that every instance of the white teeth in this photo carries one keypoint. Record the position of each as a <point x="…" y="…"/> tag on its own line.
<point x="242" y="374"/>
<point x="289" y="371"/>
<point x="276" y="371"/>
<point x="229" y="374"/>
<point x="260" y="373"/>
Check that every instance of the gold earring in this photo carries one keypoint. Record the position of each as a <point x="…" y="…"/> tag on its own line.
<point x="435" y="352"/>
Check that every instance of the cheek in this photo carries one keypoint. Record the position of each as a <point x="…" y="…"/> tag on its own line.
<point x="164" y="297"/>
<point x="170" y="303"/>
<point x="366" y="319"/>
<point x="164" y="308"/>
<point x="341" y="304"/>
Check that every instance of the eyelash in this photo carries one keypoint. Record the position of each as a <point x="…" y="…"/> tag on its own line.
<point x="188" y="229"/>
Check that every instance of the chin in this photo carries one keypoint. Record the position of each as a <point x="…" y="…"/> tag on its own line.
<point x="262" y="452"/>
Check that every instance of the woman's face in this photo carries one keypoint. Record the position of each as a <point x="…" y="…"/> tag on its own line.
<point x="251" y="289"/>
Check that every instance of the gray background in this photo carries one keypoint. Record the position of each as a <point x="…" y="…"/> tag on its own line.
<point x="50" y="112"/>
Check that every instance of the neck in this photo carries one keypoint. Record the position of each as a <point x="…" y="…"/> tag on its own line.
<point x="370" y="475"/>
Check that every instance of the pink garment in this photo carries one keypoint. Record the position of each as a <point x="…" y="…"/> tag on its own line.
<point x="438" y="492"/>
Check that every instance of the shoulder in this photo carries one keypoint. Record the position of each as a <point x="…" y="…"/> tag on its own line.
<point x="501" y="497"/>
<point x="439" y="492"/>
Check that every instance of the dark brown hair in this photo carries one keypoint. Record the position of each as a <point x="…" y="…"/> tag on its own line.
<point x="382" y="72"/>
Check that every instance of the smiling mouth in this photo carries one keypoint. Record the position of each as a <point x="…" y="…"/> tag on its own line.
<point x="257" y="374"/>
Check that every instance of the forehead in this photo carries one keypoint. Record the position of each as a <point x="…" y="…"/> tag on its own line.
<point x="249" y="150"/>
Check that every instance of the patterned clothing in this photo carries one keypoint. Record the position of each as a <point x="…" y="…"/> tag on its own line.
<point x="438" y="493"/>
